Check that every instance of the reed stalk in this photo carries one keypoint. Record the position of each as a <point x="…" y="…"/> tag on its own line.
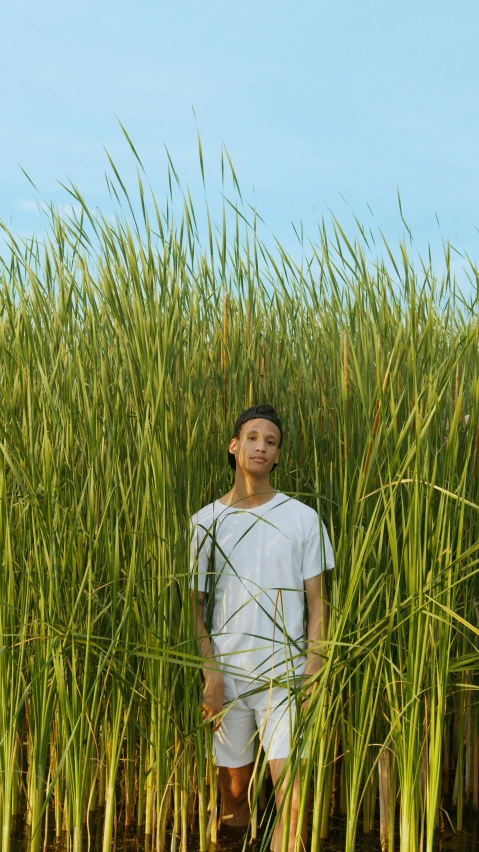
<point x="128" y="346"/>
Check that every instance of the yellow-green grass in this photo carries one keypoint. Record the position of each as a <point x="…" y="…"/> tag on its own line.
<point x="126" y="353"/>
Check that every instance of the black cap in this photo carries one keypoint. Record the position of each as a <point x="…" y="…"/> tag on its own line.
<point x="265" y="412"/>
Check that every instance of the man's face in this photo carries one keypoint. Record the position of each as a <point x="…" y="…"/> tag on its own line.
<point x="257" y="448"/>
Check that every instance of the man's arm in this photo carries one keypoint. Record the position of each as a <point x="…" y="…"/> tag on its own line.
<point x="318" y="621"/>
<point x="213" y="689"/>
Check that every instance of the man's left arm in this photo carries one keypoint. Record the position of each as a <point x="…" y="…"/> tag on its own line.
<point x="317" y="620"/>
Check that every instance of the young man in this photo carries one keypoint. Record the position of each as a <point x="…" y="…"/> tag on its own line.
<point x="258" y="555"/>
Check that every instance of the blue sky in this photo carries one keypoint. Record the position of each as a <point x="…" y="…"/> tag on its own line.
<point x="322" y="105"/>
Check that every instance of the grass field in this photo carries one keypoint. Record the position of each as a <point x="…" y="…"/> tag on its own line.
<point x="127" y="351"/>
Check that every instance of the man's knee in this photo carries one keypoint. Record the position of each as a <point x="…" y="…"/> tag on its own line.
<point x="234" y="784"/>
<point x="295" y="800"/>
<point x="236" y="796"/>
<point x="288" y="796"/>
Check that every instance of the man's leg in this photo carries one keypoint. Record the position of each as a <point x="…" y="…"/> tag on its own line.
<point x="233" y="745"/>
<point x="290" y="808"/>
<point x="275" y="717"/>
<point x="234" y="783"/>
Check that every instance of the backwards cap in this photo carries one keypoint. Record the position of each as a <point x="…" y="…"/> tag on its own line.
<point x="265" y="412"/>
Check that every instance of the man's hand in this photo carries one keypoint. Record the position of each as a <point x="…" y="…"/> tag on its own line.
<point x="213" y="697"/>
<point x="213" y="691"/>
<point x="311" y="695"/>
<point x="305" y="703"/>
<point x="310" y="691"/>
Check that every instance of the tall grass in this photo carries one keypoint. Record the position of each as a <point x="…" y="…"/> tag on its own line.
<point x="127" y="351"/>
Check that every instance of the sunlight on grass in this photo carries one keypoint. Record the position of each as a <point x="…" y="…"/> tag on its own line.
<point x="128" y="349"/>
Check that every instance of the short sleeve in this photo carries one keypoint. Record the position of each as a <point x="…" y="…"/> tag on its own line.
<point x="200" y="551"/>
<point x="318" y="554"/>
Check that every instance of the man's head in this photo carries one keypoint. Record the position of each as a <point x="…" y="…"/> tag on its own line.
<point x="257" y="439"/>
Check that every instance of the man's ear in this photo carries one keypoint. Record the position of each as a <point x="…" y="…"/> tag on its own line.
<point x="278" y="453"/>
<point x="233" y="446"/>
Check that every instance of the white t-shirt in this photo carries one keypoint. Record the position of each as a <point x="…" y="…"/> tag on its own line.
<point x="262" y="557"/>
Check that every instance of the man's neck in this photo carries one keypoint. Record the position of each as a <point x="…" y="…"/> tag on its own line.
<point x="248" y="493"/>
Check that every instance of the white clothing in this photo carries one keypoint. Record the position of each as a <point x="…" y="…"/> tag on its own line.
<point x="268" y="714"/>
<point x="262" y="557"/>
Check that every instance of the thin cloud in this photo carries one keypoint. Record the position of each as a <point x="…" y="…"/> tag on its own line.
<point x="30" y="205"/>
<point x="68" y="209"/>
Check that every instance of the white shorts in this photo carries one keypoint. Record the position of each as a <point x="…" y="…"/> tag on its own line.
<point x="267" y="716"/>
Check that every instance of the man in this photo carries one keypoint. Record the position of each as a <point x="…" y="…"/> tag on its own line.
<point x="256" y="557"/>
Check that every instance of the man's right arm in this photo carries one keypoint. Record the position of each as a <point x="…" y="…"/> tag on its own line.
<point x="212" y="703"/>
